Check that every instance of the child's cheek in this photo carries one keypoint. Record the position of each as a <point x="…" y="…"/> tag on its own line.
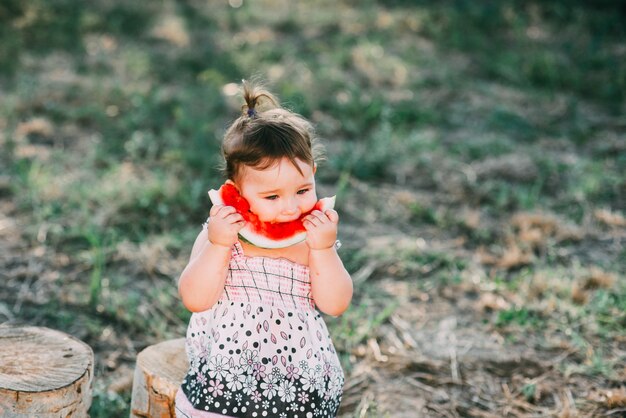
<point x="309" y="202"/>
<point x="263" y="210"/>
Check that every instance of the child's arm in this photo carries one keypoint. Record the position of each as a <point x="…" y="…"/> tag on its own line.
<point x="331" y="285"/>
<point x="201" y="283"/>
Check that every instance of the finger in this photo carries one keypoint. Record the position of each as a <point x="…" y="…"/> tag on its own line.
<point x="228" y="210"/>
<point x="236" y="227"/>
<point x="332" y="215"/>
<point x="313" y="220"/>
<point x="215" y="209"/>
<point x="224" y="211"/>
<point x="233" y="217"/>
<point x="316" y="214"/>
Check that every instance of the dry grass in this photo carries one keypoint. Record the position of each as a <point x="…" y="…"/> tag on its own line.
<point x="478" y="172"/>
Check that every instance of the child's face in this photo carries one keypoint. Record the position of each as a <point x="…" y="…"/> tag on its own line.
<point x="279" y="193"/>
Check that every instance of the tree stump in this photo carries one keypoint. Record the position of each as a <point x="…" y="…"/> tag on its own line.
<point x="159" y="372"/>
<point x="44" y="373"/>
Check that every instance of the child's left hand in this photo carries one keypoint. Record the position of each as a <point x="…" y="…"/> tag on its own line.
<point x="321" y="229"/>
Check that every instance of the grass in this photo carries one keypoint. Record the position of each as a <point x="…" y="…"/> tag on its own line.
<point x="106" y="404"/>
<point x="112" y="112"/>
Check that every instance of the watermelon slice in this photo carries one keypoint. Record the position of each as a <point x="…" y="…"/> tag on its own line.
<point x="265" y="234"/>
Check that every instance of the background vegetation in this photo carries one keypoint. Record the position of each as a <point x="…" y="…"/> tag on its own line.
<point x="478" y="150"/>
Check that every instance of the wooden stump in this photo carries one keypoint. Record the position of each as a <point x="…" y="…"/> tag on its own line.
<point x="159" y="372"/>
<point x="44" y="373"/>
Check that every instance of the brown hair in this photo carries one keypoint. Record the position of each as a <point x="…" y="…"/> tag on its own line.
<point x="265" y="133"/>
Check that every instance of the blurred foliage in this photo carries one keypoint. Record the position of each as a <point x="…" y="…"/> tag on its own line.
<point x="112" y="114"/>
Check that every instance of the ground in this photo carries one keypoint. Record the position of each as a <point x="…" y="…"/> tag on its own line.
<point x="477" y="153"/>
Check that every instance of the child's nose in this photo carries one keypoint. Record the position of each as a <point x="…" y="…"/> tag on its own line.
<point x="290" y="206"/>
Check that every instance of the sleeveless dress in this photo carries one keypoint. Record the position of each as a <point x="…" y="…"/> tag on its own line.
<point x="262" y="350"/>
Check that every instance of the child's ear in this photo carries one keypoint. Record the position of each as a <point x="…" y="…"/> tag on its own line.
<point x="314" y="167"/>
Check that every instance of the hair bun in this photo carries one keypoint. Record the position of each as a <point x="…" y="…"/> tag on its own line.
<point x="257" y="99"/>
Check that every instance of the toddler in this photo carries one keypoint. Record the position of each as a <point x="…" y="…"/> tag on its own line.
<point x="256" y="344"/>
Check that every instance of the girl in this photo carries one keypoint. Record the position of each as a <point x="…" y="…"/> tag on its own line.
<point x="256" y="345"/>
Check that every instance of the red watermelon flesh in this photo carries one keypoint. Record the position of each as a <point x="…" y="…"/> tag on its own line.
<point x="265" y="234"/>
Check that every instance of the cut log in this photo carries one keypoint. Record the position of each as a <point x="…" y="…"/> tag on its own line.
<point x="159" y="372"/>
<point x="44" y="373"/>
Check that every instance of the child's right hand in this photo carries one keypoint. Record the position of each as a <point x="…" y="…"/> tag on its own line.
<point x="224" y="225"/>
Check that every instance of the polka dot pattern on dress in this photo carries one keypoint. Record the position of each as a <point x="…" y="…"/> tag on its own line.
<point x="263" y="349"/>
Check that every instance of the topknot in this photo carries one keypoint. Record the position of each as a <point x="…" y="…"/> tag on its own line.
<point x="266" y="132"/>
<point x="257" y="99"/>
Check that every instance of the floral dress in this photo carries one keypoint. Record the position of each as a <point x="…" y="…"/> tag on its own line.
<point x="262" y="350"/>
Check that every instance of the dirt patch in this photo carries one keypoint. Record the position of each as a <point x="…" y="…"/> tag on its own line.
<point x="436" y="360"/>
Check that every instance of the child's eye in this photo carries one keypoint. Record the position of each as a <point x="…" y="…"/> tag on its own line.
<point x="272" y="197"/>
<point x="303" y="191"/>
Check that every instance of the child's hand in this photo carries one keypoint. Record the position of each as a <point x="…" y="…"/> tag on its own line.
<point x="321" y="229"/>
<point x="224" y="225"/>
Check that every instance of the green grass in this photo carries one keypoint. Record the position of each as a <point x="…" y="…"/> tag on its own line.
<point x="351" y="330"/>
<point x="406" y="95"/>
<point x="519" y="316"/>
<point x="106" y="404"/>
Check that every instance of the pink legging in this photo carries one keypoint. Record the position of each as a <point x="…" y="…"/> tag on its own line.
<point x="184" y="409"/>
